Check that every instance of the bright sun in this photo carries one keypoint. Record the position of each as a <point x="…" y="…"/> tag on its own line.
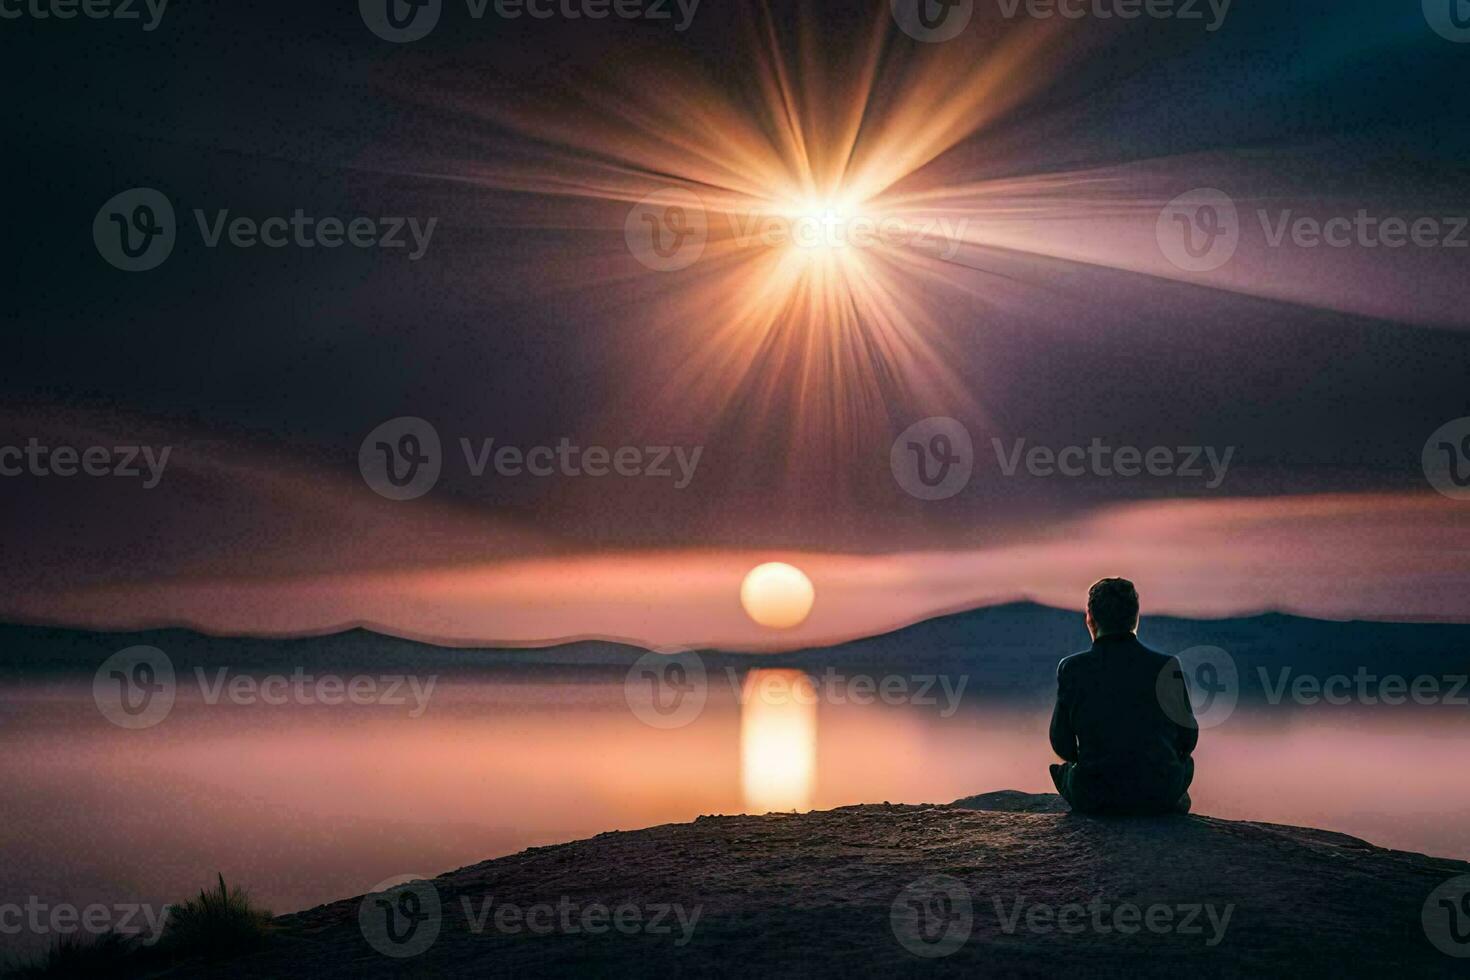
<point x="777" y="595"/>
<point x="820" y="226"/>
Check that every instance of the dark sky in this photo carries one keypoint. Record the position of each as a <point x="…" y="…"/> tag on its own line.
<point x="283" y="360"/>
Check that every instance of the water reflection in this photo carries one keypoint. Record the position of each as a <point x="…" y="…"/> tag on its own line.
<point x="778" y="741"/>
<point x="310" y="804"/>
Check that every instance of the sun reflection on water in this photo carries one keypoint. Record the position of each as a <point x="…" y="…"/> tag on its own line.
<point x="778" y="741"/>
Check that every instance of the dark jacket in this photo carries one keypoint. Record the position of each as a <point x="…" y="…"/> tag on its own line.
<point x="1123" y="715"/>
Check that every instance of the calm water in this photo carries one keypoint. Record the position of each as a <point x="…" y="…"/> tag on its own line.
<point x="304" y="804"/>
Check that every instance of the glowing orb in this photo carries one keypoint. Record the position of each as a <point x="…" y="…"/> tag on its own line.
<point x="823" y="224"/>
<point x="777" y="595"/>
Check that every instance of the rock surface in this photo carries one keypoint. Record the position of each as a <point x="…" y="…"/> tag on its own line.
<point x="1025" y="888"/>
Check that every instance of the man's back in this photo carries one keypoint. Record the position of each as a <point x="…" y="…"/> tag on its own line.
<point x="1123" y="716"/>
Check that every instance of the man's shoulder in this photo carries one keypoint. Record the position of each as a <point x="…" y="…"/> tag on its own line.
<point x="1081" y="660"/>
<point x="1086" y="660"/>
<point x="1153" y="654"/>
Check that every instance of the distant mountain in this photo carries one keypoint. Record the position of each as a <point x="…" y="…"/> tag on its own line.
<point x="1008" y="651"/>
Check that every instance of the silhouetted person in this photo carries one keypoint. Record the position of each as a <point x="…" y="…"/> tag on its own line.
<point x="1123" y="721"/>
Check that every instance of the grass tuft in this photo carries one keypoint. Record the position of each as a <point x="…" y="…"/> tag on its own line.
<point x="217" y="925"/>
<point x="82" y="956"/>
<point x="220" y="923"/>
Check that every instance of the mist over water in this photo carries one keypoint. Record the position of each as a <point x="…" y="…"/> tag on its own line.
<point x="305" y="804"/>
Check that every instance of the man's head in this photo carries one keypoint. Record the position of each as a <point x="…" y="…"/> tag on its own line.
<point x="1112" y="607"/>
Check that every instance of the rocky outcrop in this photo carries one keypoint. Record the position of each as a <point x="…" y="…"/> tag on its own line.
<point x="1001" y="884"/>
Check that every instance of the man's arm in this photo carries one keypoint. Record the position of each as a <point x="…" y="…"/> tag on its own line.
<point x="1183" y="712"/>
<point x="1063" y="739"/>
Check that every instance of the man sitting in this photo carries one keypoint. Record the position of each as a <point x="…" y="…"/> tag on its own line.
<point x="1123" y="722"/>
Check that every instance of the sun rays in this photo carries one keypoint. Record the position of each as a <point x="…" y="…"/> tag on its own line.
<point x="799" y="248"/>
<point x="823" y="292"/>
